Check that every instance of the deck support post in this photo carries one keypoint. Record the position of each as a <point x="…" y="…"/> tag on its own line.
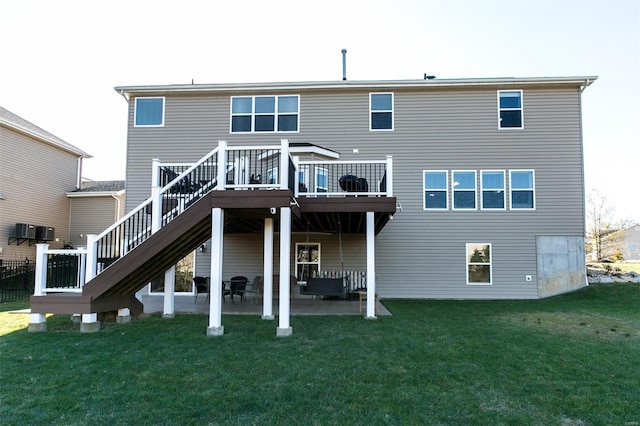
<point x="90" y="323"/>
<point x="38" y="322"/>
<point x="215" y="284"/>
<point x="124" y="316"/>
<point x="169" y="293"/>
<point x="267" y="276"/>
<point x="284" y="328"/>
<point x="371" y="266"/>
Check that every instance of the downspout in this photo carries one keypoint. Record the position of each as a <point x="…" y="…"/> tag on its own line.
<point x="79" y="175"/>
<point x="584" y="195"/>
<point x="117" y="207"/>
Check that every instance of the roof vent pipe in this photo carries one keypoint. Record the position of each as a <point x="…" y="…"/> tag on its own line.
<point x="344" y="64"/>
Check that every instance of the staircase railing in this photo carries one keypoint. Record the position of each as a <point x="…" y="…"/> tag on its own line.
<point x="178" y="192"/>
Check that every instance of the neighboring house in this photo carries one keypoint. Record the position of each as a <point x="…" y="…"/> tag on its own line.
<point x="631" y="244"/>
<point x="483" y="179"/>
<point x="93" y="208"/>
<point x="37" y="169"/>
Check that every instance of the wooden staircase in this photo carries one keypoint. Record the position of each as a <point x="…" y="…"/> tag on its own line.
<point x="116" y="286"/>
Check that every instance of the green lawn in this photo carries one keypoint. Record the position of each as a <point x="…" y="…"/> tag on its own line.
<point x="567" y="360"/>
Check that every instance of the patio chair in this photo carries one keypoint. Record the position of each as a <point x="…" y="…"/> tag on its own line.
<point x="252" y="288"/>
<point x="238" y="287"/>
<point x="201" y="286"/>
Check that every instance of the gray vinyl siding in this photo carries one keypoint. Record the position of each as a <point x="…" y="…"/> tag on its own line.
<point x="419" y="253"/>
<point x="34" y="177"/>
<point x="92" y="215"/>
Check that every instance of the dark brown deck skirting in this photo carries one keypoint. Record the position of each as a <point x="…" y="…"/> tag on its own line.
<point x="245" y="212"/>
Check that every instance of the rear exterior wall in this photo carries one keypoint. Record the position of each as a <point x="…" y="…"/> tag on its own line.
<point x="419" y="254"/>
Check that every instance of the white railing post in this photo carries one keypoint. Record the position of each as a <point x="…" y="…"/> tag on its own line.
<point x="38" y="322"/>
<point x="389" y="173"/>
<point x="371" y="266"/>
<point x="41" y="269"/>
<point x="222" y="165"/>
<point x="284" y="164"/>
<point x="156" y="203"/>
<point x="296" y="180"/>
<point x="91" y="263"/>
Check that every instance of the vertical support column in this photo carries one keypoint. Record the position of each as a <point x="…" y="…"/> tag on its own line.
<point x="267" y="277"/>
<point x="371" y="266"/>
<point x="38" y="322"/>
<point x="284" y="329"/>
<point x="169" y="292"/>
<point x="215" y="283"/>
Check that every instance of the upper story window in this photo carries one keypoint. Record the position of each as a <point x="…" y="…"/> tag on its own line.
<point x="464" y="189"/>
<point x="492" y="186"/>
<point x="381" y="111"/>
<point x="510" y="109"/>
<point x="435" y="190"/>
<point x="265" y="114"/>
<point x="149" y="112"/>
<point x="522" y="188"/>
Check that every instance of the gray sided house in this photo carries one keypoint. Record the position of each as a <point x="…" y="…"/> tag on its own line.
<point x="487" y="177"/>
<point x="36" y="170"/>
<point x="94" y="207"/>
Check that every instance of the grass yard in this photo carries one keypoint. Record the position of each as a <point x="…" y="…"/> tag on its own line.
<point x="567" y="360"/>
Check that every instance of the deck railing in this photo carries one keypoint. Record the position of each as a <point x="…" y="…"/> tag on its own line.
<point x="176" y="186"/>
<point x="344" y="178"/>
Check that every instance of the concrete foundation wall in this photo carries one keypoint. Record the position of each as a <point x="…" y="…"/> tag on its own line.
<point x="561" y="264"/>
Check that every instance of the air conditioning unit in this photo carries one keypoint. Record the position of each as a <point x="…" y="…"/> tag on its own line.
<point x="24" y="230"/>
<point x="45" y="233"/>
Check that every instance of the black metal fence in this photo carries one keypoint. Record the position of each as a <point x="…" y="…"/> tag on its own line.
<point x="17" y="279"/>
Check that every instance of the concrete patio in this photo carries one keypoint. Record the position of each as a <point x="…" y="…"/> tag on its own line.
<point x="299" y="306"/>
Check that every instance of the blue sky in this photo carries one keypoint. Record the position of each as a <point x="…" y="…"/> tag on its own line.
<point x="62" y="59"/>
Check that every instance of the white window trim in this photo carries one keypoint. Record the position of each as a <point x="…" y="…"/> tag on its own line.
<point x="253" y="114"/>
<point x="467" y="263"/>
<point x="475" y="190"/>
<point x="504" y="191"/>
<point x="297" y="263"/>
<point x="521" y="109"/>
<point x="424" y="190"/>
<point x="393" y="116"/>
<point x="135" y="111"/>
<point x="533" y="190"/>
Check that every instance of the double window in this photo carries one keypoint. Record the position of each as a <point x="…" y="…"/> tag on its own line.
<point x="149" y="112"/>
<point x="479" y="264"/>
<point x="265" y="114"/>
<point x="381" y="111"/>
<point x="435" y="190"/>
<point x="510" y="109"/>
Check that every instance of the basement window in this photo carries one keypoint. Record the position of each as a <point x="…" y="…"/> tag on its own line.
<point x="479" y="264"/>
